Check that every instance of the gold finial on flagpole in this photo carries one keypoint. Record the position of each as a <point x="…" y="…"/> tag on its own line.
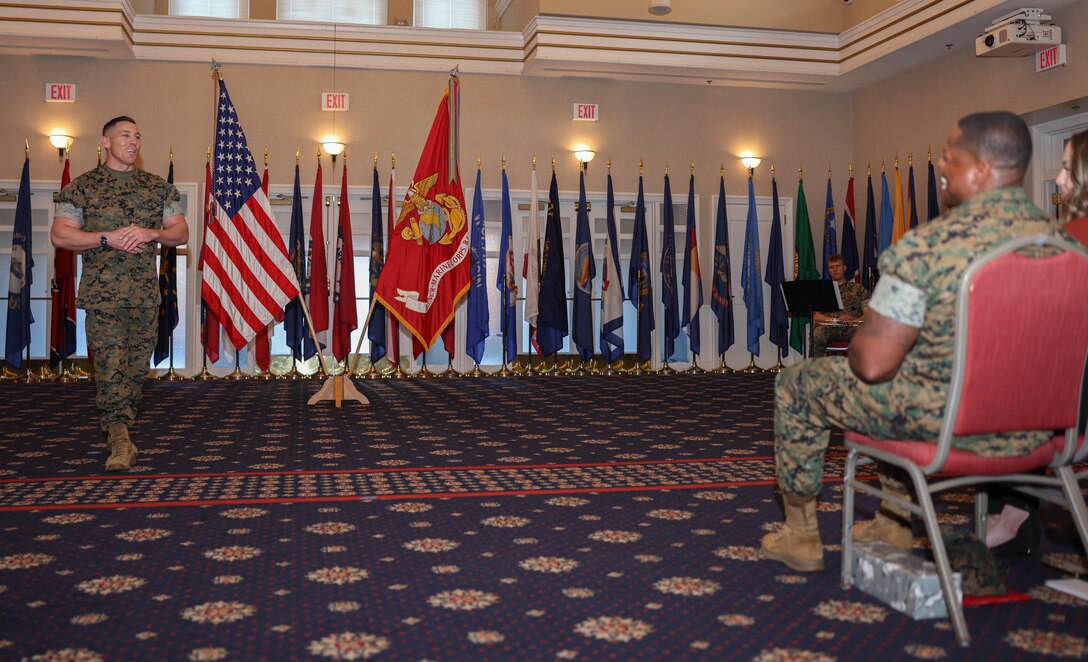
<point x="171" y="153"/>
<point x="534" y="162"/>
<point x="851" y="169"/>
<point x="26" y="150"/>
<point x="829" y="172"/>
<point x="609" y="164"/>
<point x="883" y="166"/>
<point x="375" y="159"/>
<point x="897" y="160"/>
<point x="298" y="155"/>
<point x="266" y="157"/>
<point x="800" y="172"/>
<point x="929" y="153"/>
<point x="640" y="167"/>
<point x="394" y="159"/>
<point x="692" y="164"/>
<point x="910" y="159"/>
<point x="504" y="161"/>
<point x="772" y="170"/>
<point x="99" y="153"/>
<point x="721" y="169"/>
<point x="477" y="161"/>
<point x="666" y="168"/>
<point x="319" y="156"/>
<point x="869" y="169"/>
<point x="209" y="153"/>
<point x="553" y="164"/>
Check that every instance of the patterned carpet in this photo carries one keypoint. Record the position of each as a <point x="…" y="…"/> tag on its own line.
<point x="587" y="518"/>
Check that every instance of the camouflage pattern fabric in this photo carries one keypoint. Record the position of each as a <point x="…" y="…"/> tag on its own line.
<point x="101" y="201"/>
<point x="854" y="299"/>
<point x="816" y="395"/>
<point x="981" y="572"/>
<point x="119" y="290"/>
<point x="122" y="340"/>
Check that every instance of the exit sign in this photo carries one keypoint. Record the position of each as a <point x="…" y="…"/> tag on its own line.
<point x="60" y="92"/>
<point x="1048" y="58"/>
<point x="337" y="101"/>
<point x="587" y="112"/>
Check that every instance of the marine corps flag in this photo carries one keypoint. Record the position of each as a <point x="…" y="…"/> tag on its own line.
<point x="427" y="268"/>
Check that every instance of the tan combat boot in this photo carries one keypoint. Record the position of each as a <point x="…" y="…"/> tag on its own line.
<point x="797" y="544"/>
<point x="891" y="524"/>
<point x="122" y="451"/>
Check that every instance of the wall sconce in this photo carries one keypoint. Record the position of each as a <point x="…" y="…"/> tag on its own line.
<point x="333" y="147"/>
<point x="61" y="141"/>
<point x="584" y="155"/>
<point x="751" y="162"/>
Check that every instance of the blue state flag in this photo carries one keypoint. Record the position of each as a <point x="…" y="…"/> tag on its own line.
<point x="611" y="288"/>
<point x="552" y="321"/>
<point x="749" y="278"/>
<point x="870" y="244"/>
<point x="887" y="217"/>
<point x="831" y="240"/>
<point x="669" y="300"/>
<point x="22" y="276"/>
<point x="506" y="280"/>
<point x="294" y="319"/>
<point x="693" y="276"/>
<point x="375" y="332"/>
<point x="478" y="321"/>
<point x="774" y="277"/>
<point x="168" y="295"/>
<point x="585" y="270"/>
<point x="639" y="287"/>
<point x="721" y="289"/>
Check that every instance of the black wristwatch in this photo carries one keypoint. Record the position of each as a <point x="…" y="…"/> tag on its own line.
<point x="104" y="240"/>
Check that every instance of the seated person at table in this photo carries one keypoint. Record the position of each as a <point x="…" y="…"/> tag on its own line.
<point x="855" y="298"/>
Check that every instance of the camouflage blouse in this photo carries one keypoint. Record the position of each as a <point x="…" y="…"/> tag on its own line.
<point x="100" y="201"/>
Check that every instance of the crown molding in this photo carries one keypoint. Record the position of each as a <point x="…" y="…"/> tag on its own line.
<point x="909" y="33"/>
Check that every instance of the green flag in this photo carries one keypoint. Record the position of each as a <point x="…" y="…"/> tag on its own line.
<point x="804" y="264"/>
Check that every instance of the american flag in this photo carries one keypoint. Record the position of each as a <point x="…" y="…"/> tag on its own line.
<point x="248" y="278"/>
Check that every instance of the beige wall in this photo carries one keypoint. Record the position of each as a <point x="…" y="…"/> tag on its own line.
<point x="807" y="15"/>
<point x="392" y="112"/>
<point x="516" y="17"/>
<point x="916" y="109"/>
<point x="861" y="10"/>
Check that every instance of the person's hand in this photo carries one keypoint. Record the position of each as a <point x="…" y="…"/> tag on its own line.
<point x="131" y="239"/>
<point x="846" y="318"/>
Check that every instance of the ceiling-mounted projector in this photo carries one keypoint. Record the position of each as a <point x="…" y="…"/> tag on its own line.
<point x="1017" y="34"/>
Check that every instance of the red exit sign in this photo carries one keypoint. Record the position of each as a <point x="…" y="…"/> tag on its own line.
<point x="1048" y="58"/>
<point x="337" y="101"/>
<point x="587" y="112"/>
<point x="60" y="92"/>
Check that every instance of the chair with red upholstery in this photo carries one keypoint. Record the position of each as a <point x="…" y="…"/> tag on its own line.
<point x="1021" y="360"/>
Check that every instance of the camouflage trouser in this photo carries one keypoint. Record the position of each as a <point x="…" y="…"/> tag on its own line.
<point x="819" y="394"/>
<point x="822" y="334"/>
<point x="122" y="340"/>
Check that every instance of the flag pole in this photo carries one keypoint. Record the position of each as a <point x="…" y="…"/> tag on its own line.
<point x="205" y="374"/>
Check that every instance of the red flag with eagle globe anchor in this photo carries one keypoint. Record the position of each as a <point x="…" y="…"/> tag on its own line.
<point x="427" y="268"/>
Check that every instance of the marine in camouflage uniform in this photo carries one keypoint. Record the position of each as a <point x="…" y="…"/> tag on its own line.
<point x="854" y="300"/>
<point x="906" y="356"/>
<point x="118" y="286"/>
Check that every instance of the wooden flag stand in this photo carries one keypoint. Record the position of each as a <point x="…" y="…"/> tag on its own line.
<point x="338" y="387"/>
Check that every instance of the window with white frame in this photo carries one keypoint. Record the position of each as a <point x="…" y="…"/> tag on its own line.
<point x="470" y="14"/>
<point x="215" y="8"/>
<point x="370" y="12"/>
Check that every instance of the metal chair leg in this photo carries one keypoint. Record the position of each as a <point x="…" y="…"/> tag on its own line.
<point x="848" y="520"/>
<point x="952" y="602"/>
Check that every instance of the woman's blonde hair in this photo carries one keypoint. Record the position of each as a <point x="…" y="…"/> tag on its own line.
<point x="1076" y="205"/>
